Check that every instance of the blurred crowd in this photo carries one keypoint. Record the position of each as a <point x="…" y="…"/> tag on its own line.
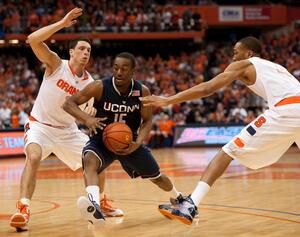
<point x="22" y="16"/>
<point x="234" y="104"/>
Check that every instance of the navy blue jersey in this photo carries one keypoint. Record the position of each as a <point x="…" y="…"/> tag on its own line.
<point x="120" y="108"/>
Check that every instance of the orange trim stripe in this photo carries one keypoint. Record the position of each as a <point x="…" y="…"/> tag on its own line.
<point x="85" y="77"/>
<point x="239" y="143"/>
<point x="288" y="100"/>
<point x="31" y="118"/>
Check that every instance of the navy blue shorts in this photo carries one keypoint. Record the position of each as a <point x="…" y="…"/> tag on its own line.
<point x="138" y="163"/>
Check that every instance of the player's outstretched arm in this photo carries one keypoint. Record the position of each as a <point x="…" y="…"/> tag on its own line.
<point x="234" y="71"/>
<point x="37" y="38"/>
<point x="71" y="105"/>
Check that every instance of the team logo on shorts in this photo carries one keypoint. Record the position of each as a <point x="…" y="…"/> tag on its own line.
<point x="251" y="130"/>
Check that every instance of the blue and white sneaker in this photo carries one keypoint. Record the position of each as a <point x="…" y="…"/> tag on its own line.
<point x="90" y="210"/>
<point x="184" y="211"/>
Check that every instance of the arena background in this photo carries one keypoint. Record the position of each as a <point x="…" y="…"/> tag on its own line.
<point x="177" y="44"/>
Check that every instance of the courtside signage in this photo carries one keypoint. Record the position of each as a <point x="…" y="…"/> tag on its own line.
<point x="11" y="143"/>
<point x="204" y="136"/>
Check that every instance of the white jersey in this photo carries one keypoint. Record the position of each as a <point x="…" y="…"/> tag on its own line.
<point x="266" y="139"/>
<point x="54" y="89"/>
<point x="273" y="82"/>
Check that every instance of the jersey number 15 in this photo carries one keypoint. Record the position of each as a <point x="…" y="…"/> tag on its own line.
<point x="120" y="117"/>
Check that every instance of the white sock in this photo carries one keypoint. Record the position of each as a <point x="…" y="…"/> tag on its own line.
<point x="94" y="191"/>
<point x="199" y="192"/>
<point x="25" y="201"/>
<point x="174" y="193"/>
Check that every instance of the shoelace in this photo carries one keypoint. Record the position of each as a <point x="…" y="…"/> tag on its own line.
<point x="90" y="197"/>
<point x="104" y="201"/>
<point x="23" y="208"/>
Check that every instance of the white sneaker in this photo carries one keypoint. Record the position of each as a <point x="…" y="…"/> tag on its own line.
<point x="90" y="210"/>
<point x="20" y="219"/>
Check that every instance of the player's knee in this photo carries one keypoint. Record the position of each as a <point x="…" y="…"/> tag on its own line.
<point x="34" y="157"/>
<point x="90" y="161"/>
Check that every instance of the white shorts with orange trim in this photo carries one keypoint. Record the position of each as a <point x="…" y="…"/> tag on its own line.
<point x="265" y="140"/>
<point x="66" y="144"/>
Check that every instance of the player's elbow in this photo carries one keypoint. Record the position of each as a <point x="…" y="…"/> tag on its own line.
<point x="67" y="105"/>
<point x="32" y="39"/>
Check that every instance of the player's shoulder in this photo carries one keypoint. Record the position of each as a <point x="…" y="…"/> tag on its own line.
<point x="240" y="66"/>
<point x="64" y="63"/>
<point x="145" y="90"/>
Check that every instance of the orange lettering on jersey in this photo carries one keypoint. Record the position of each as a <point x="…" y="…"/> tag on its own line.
<point x="60" y="83"/>
<point x="66" y="87"/>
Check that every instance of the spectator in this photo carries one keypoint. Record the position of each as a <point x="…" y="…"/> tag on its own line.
<point x="166" y="126"/>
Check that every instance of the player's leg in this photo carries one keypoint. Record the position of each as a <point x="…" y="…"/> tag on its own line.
<point x="259" y="144"/>
<point x="142" y="163"/>
<point x="164" y="183"/>
<point x="28" y="180"/>
<point x="70" y="153"/>
<point x="186" y="209"/>
<point x="69" y="150"/>
<point x="94" y="161"/>
<point x="34" y="154"/>
<point x="89" y="206"/>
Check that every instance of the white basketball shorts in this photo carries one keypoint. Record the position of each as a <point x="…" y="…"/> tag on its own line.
<point x="66" y="144"/>
<point x="265" y="140"/>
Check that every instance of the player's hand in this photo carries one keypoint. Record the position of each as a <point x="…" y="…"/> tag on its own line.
<point x="154" y="100"/>
<point x="94" y="123"/>
<point x="131" y="148"/>
<point x="70" y="18"/>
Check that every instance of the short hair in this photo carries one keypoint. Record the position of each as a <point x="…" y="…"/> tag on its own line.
<point x="251" y="43"/>
<point x="128" y="56"/>
<point x="74" y="42"/>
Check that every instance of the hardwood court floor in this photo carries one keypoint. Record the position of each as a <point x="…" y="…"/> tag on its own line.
<point x="242" y="203"/>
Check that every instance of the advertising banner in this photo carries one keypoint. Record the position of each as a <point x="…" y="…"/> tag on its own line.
<point x="11" y="143"/>
<point x="231" y="14"/>
<point x="186" y="136"/>
<point x="257" y="13"/>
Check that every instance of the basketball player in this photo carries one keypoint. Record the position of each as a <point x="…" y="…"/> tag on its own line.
<point x="51" y="129"/>
<point x="117" y="99"/>
<point x="263" y="141"/>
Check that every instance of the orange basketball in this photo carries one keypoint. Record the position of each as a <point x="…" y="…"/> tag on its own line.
<point x="117" y="136"/>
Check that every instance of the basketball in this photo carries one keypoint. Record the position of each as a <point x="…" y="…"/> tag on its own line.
<point x="117" y="136"/>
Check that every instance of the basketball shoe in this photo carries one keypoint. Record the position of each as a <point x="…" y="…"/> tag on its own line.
<point x="90" y="210"/>
<point x="108" y="210"/>
<point x="175" y="201"/>
<point x="20" y="219"/>
<point x="184" y="211"/>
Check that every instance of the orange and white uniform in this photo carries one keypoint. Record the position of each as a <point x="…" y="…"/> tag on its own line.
<point x="49" y="125"/>
<point x="263" y="141"/>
